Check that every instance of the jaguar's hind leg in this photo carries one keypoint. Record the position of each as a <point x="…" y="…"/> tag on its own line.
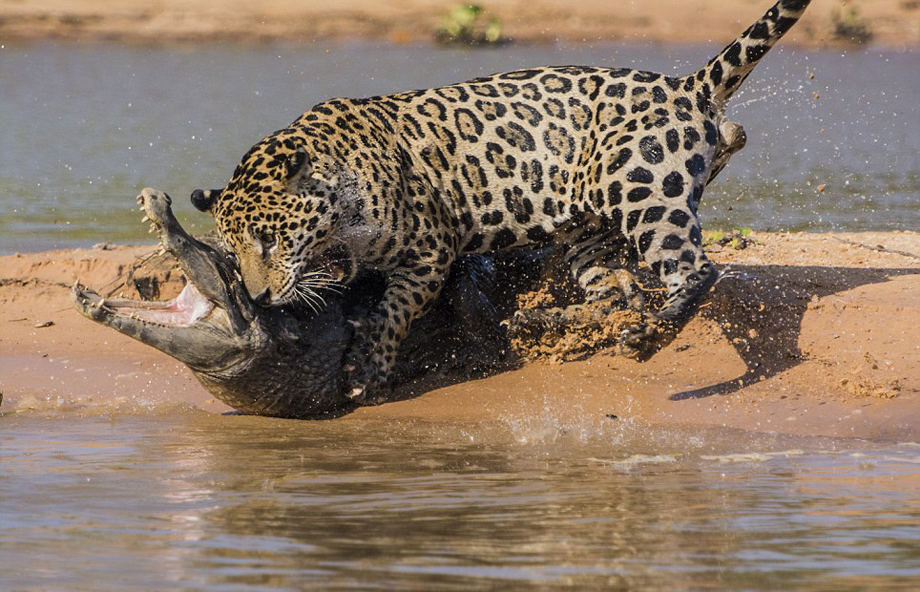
<point x="668" y="238"/>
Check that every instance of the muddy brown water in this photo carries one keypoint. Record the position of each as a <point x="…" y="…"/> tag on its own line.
<point x="149" y="495"/>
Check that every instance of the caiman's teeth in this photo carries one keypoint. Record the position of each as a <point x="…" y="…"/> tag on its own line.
<point x="145" y="219"/>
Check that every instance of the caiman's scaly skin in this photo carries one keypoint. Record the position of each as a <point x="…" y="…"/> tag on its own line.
<point x="279" y="361"/>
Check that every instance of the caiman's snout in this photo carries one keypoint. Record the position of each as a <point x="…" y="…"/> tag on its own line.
<point x="270" y="361"/>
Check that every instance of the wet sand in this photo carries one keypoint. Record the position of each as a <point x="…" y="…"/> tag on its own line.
<point x="892" y="22"/>
<point x="814" y="334"/>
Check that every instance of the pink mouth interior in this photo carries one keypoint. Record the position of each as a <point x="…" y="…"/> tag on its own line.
<point x="186" y="309"/>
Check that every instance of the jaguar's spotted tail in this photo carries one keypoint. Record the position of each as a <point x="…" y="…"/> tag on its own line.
<point x="725" y="72"/>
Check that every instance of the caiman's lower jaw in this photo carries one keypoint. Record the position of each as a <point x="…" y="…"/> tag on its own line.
<point x="185" y="310"/>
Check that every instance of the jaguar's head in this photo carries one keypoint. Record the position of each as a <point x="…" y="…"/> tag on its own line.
<point x="279" y="214"/>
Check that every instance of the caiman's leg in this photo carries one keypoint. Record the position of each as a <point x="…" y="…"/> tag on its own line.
<point x="463" y="330"/>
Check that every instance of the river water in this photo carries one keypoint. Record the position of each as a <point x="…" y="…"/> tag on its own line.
<point x="173" y="499"/>
<point x="86" y="127"/>
<point x="162" y="497"/>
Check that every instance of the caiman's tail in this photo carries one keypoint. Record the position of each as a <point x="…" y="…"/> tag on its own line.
<point x="725" y="72"/>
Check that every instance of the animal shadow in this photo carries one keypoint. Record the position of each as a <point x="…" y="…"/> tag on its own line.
<point x="760" y="310"/>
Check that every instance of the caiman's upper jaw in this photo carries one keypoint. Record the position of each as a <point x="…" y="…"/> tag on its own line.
<point x="185" y="310"/>
<point x="190" y="328"/>
<point x="208" y="327"/>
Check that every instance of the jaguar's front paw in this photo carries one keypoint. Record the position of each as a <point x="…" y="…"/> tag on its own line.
<point x="366" y="385"/>
<point x="365" y="376"/>
<point x="369" y="393"/>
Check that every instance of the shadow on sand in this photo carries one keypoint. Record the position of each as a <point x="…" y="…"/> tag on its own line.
<point x="760" y="308"/>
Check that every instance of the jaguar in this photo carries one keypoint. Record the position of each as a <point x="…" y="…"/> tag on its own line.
<point x="608" y="164"/>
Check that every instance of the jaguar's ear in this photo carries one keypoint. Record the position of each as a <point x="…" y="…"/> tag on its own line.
<point x="204" y="199"/>
<point x="298" y="165"/>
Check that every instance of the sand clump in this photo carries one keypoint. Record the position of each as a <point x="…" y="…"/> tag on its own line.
<point x="564" y="332"/>
<point x="865" y="387"/>
<point x="860" y="384"/>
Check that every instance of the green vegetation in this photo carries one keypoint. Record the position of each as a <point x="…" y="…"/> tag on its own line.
<point x="738" y="239"/>
<point x="468" y="25"/>
<point x="850" y="27"/>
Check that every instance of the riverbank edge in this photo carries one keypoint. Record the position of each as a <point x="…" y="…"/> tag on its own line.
<point x="812" y="334"/>
<point x="827" y="23"/>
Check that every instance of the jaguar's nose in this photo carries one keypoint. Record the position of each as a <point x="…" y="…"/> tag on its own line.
<point x="265" y="298"/>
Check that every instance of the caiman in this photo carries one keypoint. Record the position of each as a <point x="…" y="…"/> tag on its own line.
<point x="287" y="361"/>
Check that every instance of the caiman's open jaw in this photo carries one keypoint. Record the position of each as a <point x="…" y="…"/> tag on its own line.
<point x="268" y="361"/>
<point x="185" y="310"/>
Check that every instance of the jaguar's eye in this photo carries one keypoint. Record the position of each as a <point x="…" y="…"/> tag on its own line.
<point x="266" y="241"/>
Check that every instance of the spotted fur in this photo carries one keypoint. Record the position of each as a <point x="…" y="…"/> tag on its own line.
<point x="610" y="163"/>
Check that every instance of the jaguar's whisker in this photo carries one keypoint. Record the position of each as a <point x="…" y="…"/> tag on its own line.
<point x="309" y="297"/>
